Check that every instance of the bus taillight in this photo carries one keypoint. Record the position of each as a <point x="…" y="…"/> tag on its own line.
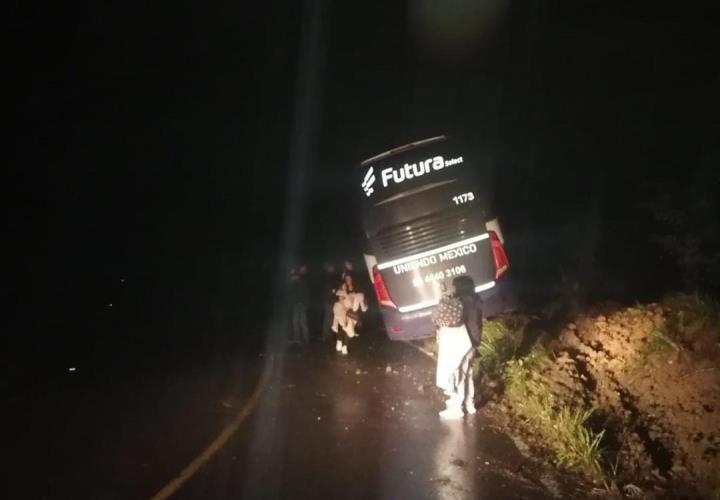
<point x="501" y="261"/>
<point x="381" y="290"/>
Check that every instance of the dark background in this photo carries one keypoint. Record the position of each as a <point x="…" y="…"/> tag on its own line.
<point x="173" y="145"/>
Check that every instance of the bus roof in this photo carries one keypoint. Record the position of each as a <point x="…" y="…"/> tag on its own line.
<point x="406" y="147"/>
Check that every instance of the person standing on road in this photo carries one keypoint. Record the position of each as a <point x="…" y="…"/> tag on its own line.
<point x="329" y="288"/>
<point x="473" y="320"/>
<point x="455" y="353"/>
<point x="298" y="304"/>
<point x="352" y="298"/>
<point x="346" y="313"/>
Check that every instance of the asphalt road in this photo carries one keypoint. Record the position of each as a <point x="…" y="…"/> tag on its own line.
<point x="299" y="422"/>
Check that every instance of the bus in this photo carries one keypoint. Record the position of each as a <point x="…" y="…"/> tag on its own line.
<point x="427" y="221"/>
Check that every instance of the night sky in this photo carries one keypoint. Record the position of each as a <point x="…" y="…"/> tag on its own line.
<point x="157" y="142"/>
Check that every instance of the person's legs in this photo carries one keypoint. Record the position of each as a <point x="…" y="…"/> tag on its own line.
<point x="294" y="325"/>
<point x="341" y="341"/>
<point x="350" y="327"/>
<point x="468" y="382"/>
<point x="443" y="369"/>
<point x="451" y="349"/>
<point x="338" y="340"/>
<point x="346" y="341"/>
<point x="339" y="319"/>
<point x="303" y="323"/>
<point x="357" y="303"/>
<point x="453" y="346"/>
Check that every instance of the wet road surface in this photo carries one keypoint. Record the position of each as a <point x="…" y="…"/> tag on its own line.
<point x="323" y="425"/>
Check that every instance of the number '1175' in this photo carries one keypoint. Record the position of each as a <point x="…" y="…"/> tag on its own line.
<point x="463" y="198"/>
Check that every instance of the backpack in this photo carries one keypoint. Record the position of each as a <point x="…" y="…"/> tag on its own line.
<point x="448" y="312"/>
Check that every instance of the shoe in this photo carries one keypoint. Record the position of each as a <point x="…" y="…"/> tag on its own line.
<point x="338" y="346"/>
<point x="470" y="408"/>
<point x="453" y="408"/>
<point x="344" y="350"/>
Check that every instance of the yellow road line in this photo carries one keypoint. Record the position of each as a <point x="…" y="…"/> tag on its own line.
<point x="174" y="485"/>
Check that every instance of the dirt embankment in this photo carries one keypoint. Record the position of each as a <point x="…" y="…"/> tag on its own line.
<point x="651" y="374"/>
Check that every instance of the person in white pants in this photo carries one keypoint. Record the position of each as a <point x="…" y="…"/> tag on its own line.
<point x="343" y="325"/>
<point x="455" y="354"/>
<point x="454" y="371"/>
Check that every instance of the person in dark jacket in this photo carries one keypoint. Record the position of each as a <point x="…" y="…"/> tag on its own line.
<point x="299" y="297"/>
<point x="473" y="319"/>
<point x="472" y="307"/>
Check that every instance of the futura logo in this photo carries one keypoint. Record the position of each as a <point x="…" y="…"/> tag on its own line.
<point x="368" y="182"/>
<point x="407" y="171"/>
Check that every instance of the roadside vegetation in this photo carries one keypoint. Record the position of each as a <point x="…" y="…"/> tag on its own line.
<point x="624" y="397"/>
<point x="690" y="313"/>
<point x="658" y="342"/>
<point x="563" y="428"/>
<point x="500" y="341"/>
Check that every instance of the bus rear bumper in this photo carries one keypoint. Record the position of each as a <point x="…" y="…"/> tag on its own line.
<point x="418" y="324"/>
<point x="407" y="326"/>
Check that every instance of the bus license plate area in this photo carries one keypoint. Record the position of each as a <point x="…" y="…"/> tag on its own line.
<point x="418" y="283"/>
<point x="443" y="275"/>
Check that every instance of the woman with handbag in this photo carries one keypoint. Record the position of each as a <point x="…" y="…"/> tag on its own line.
<point x="455" y="353"/>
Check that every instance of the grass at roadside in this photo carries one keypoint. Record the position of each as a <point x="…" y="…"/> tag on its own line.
<point x="500" y="340"/>
<point x="658" y="342"/>
<point x="689" y="316"/>
<point x="562" y="428"/>
<point x="591" y="403"/>
<point x="690" y="313"/>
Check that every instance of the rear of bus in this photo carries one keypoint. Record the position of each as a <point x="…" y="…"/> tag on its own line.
<point x="426" y="222"/>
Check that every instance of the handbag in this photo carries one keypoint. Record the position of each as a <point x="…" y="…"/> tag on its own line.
<point x="448" y="312"/>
